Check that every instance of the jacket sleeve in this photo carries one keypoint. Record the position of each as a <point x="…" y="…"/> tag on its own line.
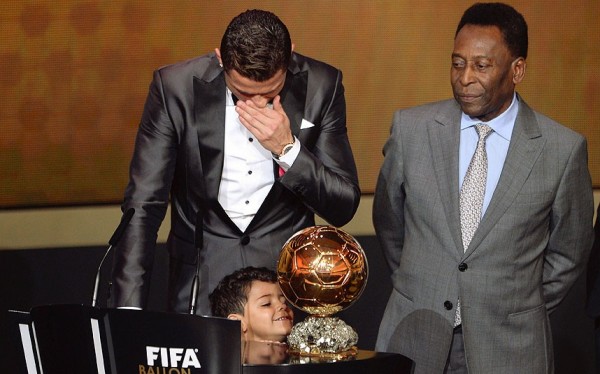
<point x="593" y="274"/>
<point x="571" y="230"/>
<point x="151" y="172"/>
<point x="388" y="203"/>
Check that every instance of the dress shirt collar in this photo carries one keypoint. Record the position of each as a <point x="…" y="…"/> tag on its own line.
<point x="502" y="125"/>
<point x="230" y="99"/>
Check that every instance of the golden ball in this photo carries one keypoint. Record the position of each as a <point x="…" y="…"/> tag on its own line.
<point x="322" y="270"/>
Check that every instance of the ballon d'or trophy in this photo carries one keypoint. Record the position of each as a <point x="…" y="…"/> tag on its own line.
<point x="322" y="270"/>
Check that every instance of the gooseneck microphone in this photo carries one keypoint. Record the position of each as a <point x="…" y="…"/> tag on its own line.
<point x="111" y="243"/>
<point x="198" y="241"/>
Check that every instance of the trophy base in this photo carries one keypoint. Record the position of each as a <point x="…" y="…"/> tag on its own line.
<point x="326" y="337"/>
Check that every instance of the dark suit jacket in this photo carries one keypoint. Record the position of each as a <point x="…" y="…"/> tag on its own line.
<point x="179" y="151"/>
<point x="530" y="246"/>
<point x="593" y="276"/>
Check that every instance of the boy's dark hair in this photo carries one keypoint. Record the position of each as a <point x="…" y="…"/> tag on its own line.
<point x="231" y="294"/>
<point x="510" y="22"/>
<point x="256" y="44"/>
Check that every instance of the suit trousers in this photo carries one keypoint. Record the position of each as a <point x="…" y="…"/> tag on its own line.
<point x="181" y="276"/>
<point x="456" y="363"/>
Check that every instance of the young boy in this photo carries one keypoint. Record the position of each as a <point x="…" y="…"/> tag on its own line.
<point x="252" y="296"/>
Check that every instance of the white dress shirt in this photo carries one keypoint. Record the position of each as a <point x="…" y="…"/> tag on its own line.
<point x="496" y="146"/>
<point x="247" y="175"/>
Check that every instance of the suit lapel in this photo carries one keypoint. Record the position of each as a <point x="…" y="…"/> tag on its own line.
<point x="209" y="113"/>
<point x="293" y="96"/>
<point x="525" y="147"/>
<point x="444" y="136"/>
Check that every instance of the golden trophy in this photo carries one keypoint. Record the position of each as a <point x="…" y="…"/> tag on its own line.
<point x="322" y="270"/>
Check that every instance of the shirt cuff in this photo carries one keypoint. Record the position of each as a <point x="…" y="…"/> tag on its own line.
<point x="287" y="160"/>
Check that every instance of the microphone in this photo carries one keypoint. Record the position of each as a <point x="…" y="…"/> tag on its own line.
<point x="198" y="240"/>
<point x="114" y="239"/>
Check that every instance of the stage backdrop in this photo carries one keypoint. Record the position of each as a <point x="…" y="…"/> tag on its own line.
<point x="74" y="76"/>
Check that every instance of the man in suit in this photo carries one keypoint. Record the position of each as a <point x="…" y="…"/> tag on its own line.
<point x="479" y="302"/>
<point x="250" y="142"/>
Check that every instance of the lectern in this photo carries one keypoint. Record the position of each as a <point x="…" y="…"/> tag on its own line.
<point x="82" y="339"/>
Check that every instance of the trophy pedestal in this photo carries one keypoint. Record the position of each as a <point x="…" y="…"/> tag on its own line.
<point x="325" y="337"/>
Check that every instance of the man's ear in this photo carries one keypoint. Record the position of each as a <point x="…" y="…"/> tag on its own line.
<point x="518" y="67"/>
<point x="239" y="317"/>
<point x="218" y="53"/>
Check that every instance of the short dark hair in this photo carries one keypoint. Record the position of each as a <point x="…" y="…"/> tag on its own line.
<point x="256" y="44"/>
<point x="510" y="22"/>
<point x="231" y="294"/>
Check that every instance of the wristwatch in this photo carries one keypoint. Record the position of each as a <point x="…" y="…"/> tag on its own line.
<point x="286" y="149"/>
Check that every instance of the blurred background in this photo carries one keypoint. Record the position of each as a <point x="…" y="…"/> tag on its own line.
<point x="75" y="75"/>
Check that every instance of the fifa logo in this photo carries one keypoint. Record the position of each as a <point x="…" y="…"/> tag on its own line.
<point x="172" y="357"/>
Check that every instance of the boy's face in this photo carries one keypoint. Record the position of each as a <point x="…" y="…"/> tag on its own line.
<point x="267" y="317"/>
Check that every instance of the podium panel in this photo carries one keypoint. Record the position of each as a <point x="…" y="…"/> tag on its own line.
<point x="82" y="339"/>
<point x="65" y="338"/>
<point x="148" y="342"/>
<point x="22" y="354"/>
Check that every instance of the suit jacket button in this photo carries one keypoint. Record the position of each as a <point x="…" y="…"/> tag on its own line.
<point x="463" y="266"/>
<point x="448" y="305"/>
<point x="245" y="239"/>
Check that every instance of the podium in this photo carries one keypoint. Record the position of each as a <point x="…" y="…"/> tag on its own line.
<point x="84" y="339"/>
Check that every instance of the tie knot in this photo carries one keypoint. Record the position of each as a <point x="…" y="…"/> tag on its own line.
<point x="483" y="130"/>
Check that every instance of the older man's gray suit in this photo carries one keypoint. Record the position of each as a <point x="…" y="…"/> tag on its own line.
<point x="529" y="248"/>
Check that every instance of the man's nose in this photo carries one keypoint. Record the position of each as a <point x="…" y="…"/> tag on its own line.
<point x="466" y="76"/>
<point x="260" y="101"/>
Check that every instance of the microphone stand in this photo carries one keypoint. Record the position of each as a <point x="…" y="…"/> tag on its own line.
<point x="199" y="240"/>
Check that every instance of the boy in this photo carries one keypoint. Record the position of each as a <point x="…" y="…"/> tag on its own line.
<point x="252" y="296"/>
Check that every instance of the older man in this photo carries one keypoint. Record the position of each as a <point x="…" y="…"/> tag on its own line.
<point x="484" y="209"/>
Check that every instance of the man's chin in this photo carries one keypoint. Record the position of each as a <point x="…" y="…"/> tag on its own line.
<point x="471" y="110"/>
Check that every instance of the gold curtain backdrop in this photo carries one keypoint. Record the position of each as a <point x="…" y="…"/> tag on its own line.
<point x="74" y="76"/>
